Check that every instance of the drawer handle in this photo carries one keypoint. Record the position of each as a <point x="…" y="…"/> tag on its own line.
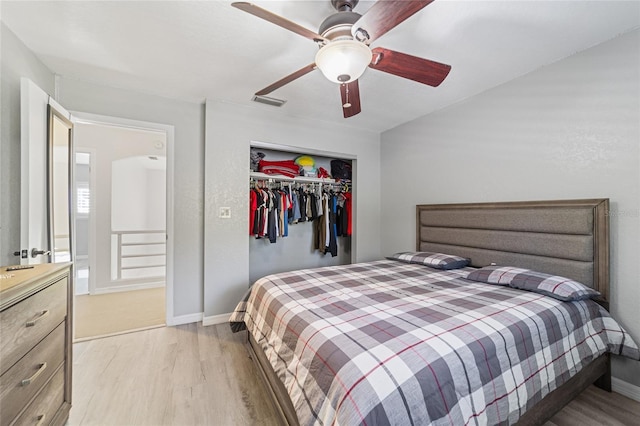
<point x="41" y="418"/>
<point x="37" y="318"/>
<point x="28" y="381"/>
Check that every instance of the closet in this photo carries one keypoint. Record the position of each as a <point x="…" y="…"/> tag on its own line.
<point x="299" y="235"/>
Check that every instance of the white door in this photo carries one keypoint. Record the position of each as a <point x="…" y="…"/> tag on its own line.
<point x="34" y="199"/>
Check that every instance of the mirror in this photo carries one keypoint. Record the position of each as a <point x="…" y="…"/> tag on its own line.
<point x="60" y="187"/>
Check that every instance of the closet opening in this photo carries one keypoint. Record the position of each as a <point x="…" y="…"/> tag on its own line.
<point x="300" y="214"/>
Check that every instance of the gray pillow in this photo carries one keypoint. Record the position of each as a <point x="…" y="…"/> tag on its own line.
<point x="433" y="260"/>
<point x="558" y="287"/>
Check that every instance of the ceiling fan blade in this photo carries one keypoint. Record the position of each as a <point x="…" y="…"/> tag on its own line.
<point x="350" y="93"/>
<point x="278" y="20"/>
<point x="288" y="79"/>
<point x="417" y="69"/>
<point x="383" y="16"/>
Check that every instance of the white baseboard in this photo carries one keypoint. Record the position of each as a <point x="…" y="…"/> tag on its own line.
<point x="185" y="319"/>
<point x="118" y="333"/>
<point x="128" y="287"/>
<point x="216" y="319"/>
<point x="625" y="388"/>
<point x="190" y="318"/>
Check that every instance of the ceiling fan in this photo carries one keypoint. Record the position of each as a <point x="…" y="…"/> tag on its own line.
<point x="344" y="38"/>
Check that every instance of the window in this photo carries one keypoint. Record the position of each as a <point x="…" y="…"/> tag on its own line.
<point x="83" y="197"/>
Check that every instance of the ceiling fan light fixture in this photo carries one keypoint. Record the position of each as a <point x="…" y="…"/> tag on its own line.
<point x="343" y="61"/>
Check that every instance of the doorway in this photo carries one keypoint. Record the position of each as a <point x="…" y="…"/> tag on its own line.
<point x="123" y="257"/>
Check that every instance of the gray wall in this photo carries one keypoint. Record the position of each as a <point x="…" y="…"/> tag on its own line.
<point x="568" y="130"/>
<point x="188" y="120"/>
<point x="230" y="130"/>
<point x="17" y="61"/>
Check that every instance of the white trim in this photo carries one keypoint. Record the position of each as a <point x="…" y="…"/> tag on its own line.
<point x="169" y="130"/>
<point x="118" y="333"/>
<point x="185" y="319"/>
<point x="106" y="120"/>
<point x="216" y="319"/>
<point x="170" y="162"/>
<point x="127" y="287"/>
<point x="625" y="388"/>
<point x="59" y="108"/>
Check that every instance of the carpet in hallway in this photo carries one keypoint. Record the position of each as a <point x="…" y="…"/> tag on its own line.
<point x="112" y="313"/>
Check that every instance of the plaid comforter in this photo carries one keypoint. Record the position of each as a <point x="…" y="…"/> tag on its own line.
<point x="387" y="342"/>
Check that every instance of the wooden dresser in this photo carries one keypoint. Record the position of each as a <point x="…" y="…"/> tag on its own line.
<point x="35" y="349"/>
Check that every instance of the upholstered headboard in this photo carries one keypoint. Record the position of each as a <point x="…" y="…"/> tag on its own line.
<point x="564" y="237"/>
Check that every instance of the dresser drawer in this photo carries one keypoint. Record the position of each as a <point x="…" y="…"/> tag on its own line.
<point x="22" y="381"/>
<point x="44" y="408"/>
<point x="24" y="324"/>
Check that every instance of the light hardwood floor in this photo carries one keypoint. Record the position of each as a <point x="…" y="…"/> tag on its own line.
<point x="195" y="375"/>
<point x="185" y="375"/>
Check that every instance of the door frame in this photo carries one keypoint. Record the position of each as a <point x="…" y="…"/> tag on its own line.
<point x="169" y="130"/>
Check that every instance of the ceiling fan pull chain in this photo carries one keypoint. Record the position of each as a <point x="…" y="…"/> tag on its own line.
<point x="377" y="58"/>
<point x="346" y="104"/>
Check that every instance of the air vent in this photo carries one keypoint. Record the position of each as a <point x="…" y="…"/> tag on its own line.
<point x="268" y="101"/>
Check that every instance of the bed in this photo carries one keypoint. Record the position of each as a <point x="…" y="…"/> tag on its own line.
<point x="366" y="343"/>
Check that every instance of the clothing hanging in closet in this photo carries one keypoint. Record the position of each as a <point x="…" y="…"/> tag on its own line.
<point x="272" y="210"/>
<point x="269" y="213"/>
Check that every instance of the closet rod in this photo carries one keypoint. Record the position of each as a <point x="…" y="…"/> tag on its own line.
<point x="277" y="178"/>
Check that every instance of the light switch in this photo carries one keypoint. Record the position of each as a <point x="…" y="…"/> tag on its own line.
<point x="225" y="212"/>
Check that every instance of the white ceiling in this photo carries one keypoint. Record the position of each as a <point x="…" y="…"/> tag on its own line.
<point x="192" y="50"/>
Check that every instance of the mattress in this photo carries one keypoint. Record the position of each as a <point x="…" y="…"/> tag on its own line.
<point x="387" y="342"/>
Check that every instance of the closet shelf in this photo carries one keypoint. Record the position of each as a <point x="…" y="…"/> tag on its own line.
<point x="304" y="179"/>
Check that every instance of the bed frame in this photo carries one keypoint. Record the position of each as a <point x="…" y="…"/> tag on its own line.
<point x="563" y="237"/>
